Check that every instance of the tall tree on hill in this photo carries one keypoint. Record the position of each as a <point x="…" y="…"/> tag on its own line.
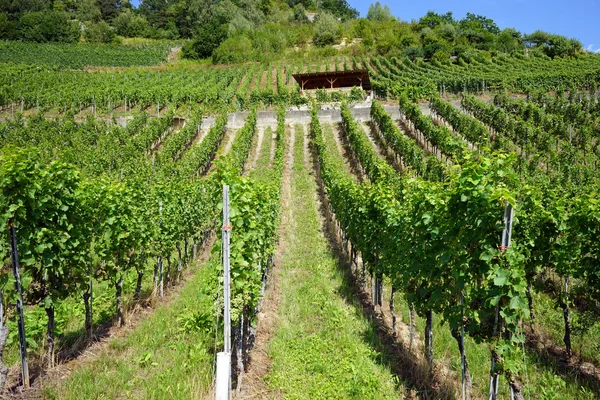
<point x="109" y="8"/>
<point x="479" y="23"/>
<point x="155" y="12"/>
<point x="377" y="12"/>
<point x="432" y="19"/>
<point x="304" y="3"/>
<point x="189" y="16"/>
<point x="14" y="9"/>
<point x="339" y="8"/>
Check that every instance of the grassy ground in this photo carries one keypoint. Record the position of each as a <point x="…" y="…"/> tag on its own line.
<point x="264" y="156"/>
<point x="545" y="381"/>
<point x="321" y="348"/>
<point x="586" y="332"/>
<point x="168" y="355"/>
<point x="70" y="316"/>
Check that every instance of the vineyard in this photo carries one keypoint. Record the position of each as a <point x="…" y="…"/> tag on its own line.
<point x="77" y="56"/>
<point x="438" y="238"/>
<point x="232" y="88"/>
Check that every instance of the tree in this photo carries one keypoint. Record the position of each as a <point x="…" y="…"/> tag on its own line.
<point x="553" y="45"/>
<point x="377" y="12"/>
<point x="109" y="9"/>
<point x="560" y="46"/>
<point x="479" y="23"/>
<point x="304" y="3"/>
<point x="339" y="8"/>
<point x="191" y="15"/>
<point x="327" y="30"/>
<point x="49" y="26"/>
<point x="509" y="40"/>
<point x="447" y="31"/>
<point x="14" y="10"/>
<point x="414" y="52"/>
<point x="87" y="11"/>
<point x="432" y="19"/>
<point x="8" y="30"/>
<point x="129" y="24"/>
<point x="155" y="12"/>
<point x="207" y="39"/>
<point x="537" y="38"/>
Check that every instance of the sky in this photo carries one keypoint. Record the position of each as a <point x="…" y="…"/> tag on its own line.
<point x="574" y="18"/>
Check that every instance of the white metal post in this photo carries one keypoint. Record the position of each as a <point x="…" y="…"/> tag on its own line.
<point x="226" y="267"/>
<point x="509" y="214"/>
<point x="223" y="376"/>
<point x="223" y="381"/>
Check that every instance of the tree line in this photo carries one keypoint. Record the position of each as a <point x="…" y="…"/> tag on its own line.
<point x="233" y="31"/>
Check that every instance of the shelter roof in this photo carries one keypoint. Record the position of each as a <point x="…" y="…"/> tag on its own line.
<point x="334" y="79"/>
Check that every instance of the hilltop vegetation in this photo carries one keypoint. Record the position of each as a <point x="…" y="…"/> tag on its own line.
<point x="235" y="31"/>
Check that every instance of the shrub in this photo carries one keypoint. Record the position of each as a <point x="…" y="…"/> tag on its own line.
<point x="441" y="56"/>
<point x="414" y="52"/>
<point x="322" y="96"/>
<point x="99" y="33"/>
<point x="234" y="50"/>
<point x="327" y="30"/>
<point x="300" y="14"/>
<point x="356" y="95"/>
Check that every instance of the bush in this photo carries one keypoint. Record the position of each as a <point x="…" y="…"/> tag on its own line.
<point x="297" y="99"/>
<point x="130" y="25"/>
<point x="300" y="35"/>
<point x="234" y="50"/>
<point x="441" y="56"/>
<point x="327" y="30"/>
<point x="356" y="95"/>
<point x="300" y="14"/>
<point x="322" y="96"/>
<point x="99" y="33"/>
<point x="162" y="34"/>
<point x="414" y="52"/>
<point x="336" y="96"/>
<point x="269" y="43"/>
<point x="49" y="26"/>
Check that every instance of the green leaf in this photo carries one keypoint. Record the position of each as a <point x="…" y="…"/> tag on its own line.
<point x="501" y="277"/>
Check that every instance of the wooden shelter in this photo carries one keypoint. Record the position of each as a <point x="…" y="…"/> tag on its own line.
<point x="334" y="80"/>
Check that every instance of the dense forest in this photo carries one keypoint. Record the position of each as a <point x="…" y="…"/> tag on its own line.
<point x="234" y="31"/>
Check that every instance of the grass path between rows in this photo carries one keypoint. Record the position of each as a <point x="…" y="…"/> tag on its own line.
<point x="168" y="355"/>
<point x="321" y="346"/>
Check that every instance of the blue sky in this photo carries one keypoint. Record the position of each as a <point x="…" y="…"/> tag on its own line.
<point x="574" y="18"/>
